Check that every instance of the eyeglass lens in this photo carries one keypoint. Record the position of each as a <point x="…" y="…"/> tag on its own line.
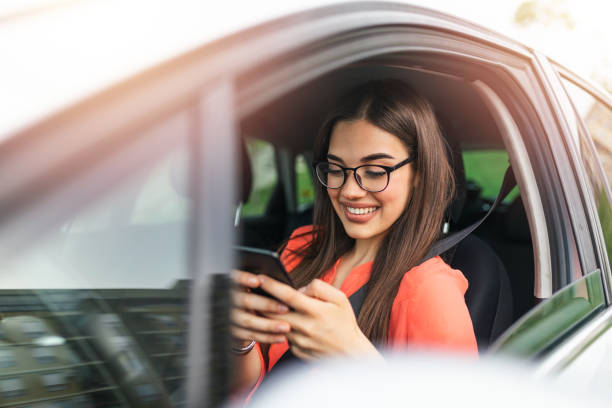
<point x="371" y="178"/>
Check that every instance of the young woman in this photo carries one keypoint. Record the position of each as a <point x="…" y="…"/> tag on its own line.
<point x="384" y="185"/>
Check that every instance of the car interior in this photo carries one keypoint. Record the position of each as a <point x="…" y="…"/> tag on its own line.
<point x="497" y="258"/>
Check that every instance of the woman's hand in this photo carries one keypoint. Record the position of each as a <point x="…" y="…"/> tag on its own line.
<point x="322" y="321"/>
<point x="247" y="321"/>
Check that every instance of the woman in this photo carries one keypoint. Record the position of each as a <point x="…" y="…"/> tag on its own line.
<point x="384" y="186"/>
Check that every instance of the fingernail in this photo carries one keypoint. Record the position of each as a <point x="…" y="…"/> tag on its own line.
<point x="261" y="278"/>
<point x="253" y="281"/>
<point x="302" y="289"/>
<point x="279" y="340"/>
<point x="282" y="308"/>
<point x="282" y="327"/>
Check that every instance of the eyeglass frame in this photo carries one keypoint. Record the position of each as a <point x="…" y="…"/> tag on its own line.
<point x="388" y="169"/>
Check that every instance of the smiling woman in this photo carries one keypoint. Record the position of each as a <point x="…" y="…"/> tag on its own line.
<point x="373" y="195"/>
<point x="385" y="183"/>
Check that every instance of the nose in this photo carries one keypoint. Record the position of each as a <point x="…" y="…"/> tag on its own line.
<point x="351" y="188"/>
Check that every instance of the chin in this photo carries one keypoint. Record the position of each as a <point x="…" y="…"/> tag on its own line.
<point x="359" y="232"/>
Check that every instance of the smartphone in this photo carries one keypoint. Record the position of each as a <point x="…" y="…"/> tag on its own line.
<point x="261" y="261"/>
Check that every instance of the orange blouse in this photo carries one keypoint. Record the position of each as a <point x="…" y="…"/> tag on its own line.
<point x="429" y="310"/>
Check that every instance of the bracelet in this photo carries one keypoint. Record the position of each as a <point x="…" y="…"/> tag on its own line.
<point x="244" y="350"/>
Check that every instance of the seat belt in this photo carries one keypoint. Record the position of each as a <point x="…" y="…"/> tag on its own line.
<point x="447" y="243"/>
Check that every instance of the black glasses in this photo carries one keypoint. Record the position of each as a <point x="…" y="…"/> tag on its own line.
<point x="370" y="177"/>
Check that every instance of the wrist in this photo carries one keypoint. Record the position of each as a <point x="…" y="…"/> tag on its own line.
<point x="365" y="347"/>
<point x="242" y="347"/>
<point x="239" y="343"/>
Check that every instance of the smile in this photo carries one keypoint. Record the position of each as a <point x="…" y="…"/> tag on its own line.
<point x="359" y="215"/>
<point x="361" y="210"/>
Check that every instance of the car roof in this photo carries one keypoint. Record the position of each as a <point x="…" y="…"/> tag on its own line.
<point x="61" y="52"/>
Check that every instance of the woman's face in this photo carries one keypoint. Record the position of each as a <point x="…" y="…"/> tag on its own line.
<point x="367" y="215"/>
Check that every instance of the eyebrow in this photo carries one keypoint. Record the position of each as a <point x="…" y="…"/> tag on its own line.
<point x="368" y="158"/>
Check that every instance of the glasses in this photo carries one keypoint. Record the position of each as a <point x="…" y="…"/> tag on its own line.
<point x="370" y="177"/>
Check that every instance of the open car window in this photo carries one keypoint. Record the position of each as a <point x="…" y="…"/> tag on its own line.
<point x="485" y="169"/>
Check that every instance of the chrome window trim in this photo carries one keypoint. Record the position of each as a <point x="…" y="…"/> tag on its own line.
<point x="526" y="180"/>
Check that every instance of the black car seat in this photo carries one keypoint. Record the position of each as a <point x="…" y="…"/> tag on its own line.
<point x="489" y="295"/>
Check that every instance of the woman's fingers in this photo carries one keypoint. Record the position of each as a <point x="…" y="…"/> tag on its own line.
<point x="305" y="343"/>
<point x="297" y="321"/>
<point x="324" y="291"/>
<point x="246" y="324"/>
<point x="251" y="301"/>
<point x="252" y="322"/>
<point x="286" y="294"/>
<point x="302" y="353"/>
<point x="246" y="279"/>
<point x="245" y="334"/>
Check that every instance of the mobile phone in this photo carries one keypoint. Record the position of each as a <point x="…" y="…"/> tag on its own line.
<point x="261" y="261"/>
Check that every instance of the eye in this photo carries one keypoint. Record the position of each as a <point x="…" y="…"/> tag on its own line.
<point x="373" y="173"/>
<point x="333" y="172"/>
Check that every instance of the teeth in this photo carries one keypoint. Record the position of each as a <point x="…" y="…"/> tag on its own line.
<point x="361" y="210"/>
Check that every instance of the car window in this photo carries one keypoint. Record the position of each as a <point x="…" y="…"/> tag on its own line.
<point x="554" y="318"/>
<point x="304" y="184"/>
<point x="485" y="169"/>
<point x="265" y="176"/>
<point x="596" y="145"/>
<point x="95" y="312"/>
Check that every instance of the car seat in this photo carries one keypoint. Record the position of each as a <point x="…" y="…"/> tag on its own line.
<point x="489" y="295"/>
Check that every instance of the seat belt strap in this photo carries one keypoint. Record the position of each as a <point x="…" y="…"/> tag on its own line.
<point x="447" y="243"/>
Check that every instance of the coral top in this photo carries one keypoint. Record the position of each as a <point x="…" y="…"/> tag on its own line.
<point x="429" y="310"/>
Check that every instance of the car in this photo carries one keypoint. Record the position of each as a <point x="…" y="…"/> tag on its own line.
<point x="124" y="155"/>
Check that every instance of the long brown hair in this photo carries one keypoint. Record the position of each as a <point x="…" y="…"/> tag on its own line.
<point x="396" y="108"/>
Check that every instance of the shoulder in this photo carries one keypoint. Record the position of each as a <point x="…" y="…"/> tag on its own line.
<point x="433" y="277"/>
<point x="430" y="309"/>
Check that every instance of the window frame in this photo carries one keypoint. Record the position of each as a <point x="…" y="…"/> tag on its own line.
<point x="571" y="112"/>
